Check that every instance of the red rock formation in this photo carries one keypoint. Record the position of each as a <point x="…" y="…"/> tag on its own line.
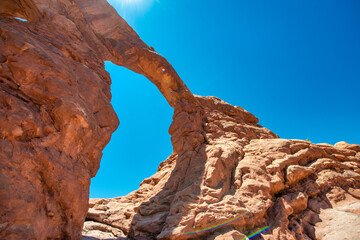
<point x="55" y="115"/>
<point x="56" y="118"/>
<point x="225" y="164"/>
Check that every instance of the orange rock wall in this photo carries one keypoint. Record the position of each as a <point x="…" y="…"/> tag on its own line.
<point x="224" y="164"/>
<point x="55" y="115"/>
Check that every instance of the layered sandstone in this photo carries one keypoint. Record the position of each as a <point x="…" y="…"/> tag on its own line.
<point x="55" y="115"/>
<point x="56" y="118"/>
<point x="225" y="164"/>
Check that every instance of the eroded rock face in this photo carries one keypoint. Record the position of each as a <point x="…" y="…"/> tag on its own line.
<point x="56" y="118"/>
<point x="225" y="164"/>
<point x="55" y="114"/>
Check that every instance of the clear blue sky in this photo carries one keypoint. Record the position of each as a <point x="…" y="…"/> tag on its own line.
<point x="293" y="64"/>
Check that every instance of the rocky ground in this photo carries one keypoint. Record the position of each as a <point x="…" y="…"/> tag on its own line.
<point x="225" y="164"/>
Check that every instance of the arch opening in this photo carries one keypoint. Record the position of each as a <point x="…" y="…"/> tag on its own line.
<point x="20" y="9"/>
<point x="141" y="141"/>
<point x="21" y="19"/>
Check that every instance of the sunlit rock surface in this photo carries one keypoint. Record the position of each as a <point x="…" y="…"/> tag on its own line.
<point x="225" y="164"/>
<point x="56" y="117"/>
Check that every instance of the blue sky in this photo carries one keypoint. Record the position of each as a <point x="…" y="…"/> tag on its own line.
<point x="293" y="64"/>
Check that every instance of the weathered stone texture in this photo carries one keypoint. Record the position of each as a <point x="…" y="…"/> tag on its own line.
<point x="225" y="164"/>
<point x="56" y="117"/>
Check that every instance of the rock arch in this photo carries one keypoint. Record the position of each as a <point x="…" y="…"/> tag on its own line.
<point x="56" y="117"/>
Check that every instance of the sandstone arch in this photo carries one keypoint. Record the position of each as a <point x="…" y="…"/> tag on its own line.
<point x="56" y="113"/>
<point x="56" y="117"/>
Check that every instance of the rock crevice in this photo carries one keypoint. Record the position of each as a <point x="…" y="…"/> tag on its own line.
<point x="56" y="117"/>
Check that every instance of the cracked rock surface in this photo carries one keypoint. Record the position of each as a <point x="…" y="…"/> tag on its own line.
<point x="55" y="111"/>
<point x="56" y="117"/>
<point x="225" y="164"/>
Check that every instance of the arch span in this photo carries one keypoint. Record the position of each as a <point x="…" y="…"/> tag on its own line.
<point x="56" y="116"/>
<point x="128" y="50"/>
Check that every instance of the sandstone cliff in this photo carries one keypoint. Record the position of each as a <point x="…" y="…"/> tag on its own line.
<point x="224" y="164"/>
<point x="55" y="115"/>
<point x="56" y="118"/>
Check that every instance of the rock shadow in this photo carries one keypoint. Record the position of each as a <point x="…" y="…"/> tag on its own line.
<point x="162" y="213"/>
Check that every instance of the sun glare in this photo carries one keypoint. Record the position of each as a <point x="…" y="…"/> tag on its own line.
<point x="130" y="2"/>
<point x="131" y="9"/>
